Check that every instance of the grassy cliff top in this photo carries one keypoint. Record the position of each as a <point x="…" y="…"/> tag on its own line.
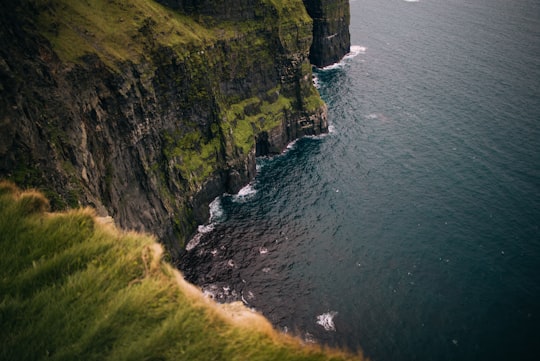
<point x="118" y="30"/>
<point x="113" y="29"/>
<point x="72" y="287"/>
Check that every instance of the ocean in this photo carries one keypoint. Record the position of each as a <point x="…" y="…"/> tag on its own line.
<point x="412" y="230"/>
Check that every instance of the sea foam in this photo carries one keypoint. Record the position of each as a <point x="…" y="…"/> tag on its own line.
<point x="326" y="320"/>
<point x="216" y="216"/>
<point x="354" y="51"/>
<point x="245" y="193"/>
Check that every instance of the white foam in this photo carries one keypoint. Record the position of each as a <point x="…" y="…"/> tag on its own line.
<point x="331" y="129"/>
<point x="372" y="116"/>
<point x="210" y="291"/>
<point x="291" y="145"/>
<point x="263" y="250"/>
<point x="308" y="338"/>
<point x="216" y="211"/>
<point x="245" y="193"/>
<point x="326" y="320"/>
<point x="411" y="1"/>
<point x="244" y="300"/>
<point x="216" y="216"/>
<point x="202" y="229"/>
<point x="354" y="51"/>
<point x="316" y="81"/>
<point x="318" y="137"/>
<point x="333" y="66"/>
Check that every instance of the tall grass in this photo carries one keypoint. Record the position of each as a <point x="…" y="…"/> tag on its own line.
<point x="72" y="288"/>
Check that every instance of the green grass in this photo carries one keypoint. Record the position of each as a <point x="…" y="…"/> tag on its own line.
<point x="193" y="155"/>
<point x="72" y="288"/>
<point x="243" y="127"/>
<point x="115" y="30"/>
<point x="119" y="31"/>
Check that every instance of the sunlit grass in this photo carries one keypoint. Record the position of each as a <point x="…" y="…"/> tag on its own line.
<point x="72" y="288"/>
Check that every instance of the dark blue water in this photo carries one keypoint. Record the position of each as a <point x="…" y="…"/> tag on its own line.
<point x="413" y="228"/>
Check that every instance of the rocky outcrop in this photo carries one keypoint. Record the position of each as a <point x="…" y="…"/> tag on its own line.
<point x="331" y="37"/>
<point x="148" y="113"/>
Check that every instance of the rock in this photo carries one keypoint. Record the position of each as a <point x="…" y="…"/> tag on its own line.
<point x="150" y="128"/>
<point x="331" y="37"/>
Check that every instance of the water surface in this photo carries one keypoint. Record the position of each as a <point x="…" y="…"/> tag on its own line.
<point x="412" y="229"/>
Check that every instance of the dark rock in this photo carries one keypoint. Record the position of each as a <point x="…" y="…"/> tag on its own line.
<point x="152" y="141"/>
<point x="331" y="37"/>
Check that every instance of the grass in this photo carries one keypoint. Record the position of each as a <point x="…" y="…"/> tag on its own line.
<point x="193" y="155"/>
<point x="115" y="30"/>
<point x="243" y="127"/>
<point x="74" y="288"/>
<point x="119" y="31"/>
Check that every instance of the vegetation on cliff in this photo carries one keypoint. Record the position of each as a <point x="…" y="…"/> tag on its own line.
<point x="146" y="105"/>
<point x="72" y="287"/>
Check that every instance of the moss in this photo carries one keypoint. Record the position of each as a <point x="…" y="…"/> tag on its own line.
<point x="313" y="102"/>
<point x="194" y="156"/>
<point x="242" y="128"/>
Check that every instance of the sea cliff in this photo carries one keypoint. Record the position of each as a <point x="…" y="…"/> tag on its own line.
<point x="148" y="110"/>
<point x="331" y="37"/>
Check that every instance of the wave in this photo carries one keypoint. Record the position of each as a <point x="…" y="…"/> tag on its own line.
<point x="245" y="193"/>
<point x="201" y="230"/>
<point x="217" y="215"/>
<point x="326" y="320"/>
<point x="354" y="51"/>
<point x="220" y="292"/>
<point x="217" y="212"/>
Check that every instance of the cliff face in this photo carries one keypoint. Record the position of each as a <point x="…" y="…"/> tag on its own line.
<point x="331" y="37"/>
<point x="147" y="111"/>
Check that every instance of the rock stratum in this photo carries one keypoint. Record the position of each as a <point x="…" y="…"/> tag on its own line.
<point x="146" y="111"/>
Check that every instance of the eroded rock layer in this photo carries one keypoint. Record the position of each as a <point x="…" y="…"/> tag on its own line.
<point x="148" y="111"/>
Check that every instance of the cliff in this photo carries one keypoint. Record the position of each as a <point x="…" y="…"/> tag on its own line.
<point x="148" y="111"/>
<point x="75" y="289"/>
<point x="331" y="37"/>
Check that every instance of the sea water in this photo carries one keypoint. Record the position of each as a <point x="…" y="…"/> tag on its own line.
<point x="411" y="230"/>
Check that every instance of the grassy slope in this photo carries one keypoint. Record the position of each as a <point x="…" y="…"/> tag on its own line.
<point x="118" y="31"/>
<point x="115" y="30"/>
<point x="73" y="288"/>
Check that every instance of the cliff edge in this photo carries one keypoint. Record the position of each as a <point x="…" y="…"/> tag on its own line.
<point x="73" y="288"/>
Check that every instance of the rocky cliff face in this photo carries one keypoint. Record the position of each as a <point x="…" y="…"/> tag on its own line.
<point x="331" y="37"/>
<point x="146" y="111"/>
